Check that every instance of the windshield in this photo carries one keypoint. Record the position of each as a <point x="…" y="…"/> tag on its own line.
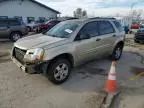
<point x="63" y="29"/>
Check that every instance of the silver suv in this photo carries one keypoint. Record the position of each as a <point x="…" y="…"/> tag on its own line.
<point x="69" y="44"/>
<point x="12" y="29"/>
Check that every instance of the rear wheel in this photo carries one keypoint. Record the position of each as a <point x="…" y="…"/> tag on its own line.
<point x="29" y="29"/>
<point x="136" y="41"/>
<point x="116" y="55"/>
<point x="59" y="71"/>
<point x="15" y="36"/>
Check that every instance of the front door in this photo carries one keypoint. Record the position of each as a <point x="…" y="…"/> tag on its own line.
<point x="87" y="43"/>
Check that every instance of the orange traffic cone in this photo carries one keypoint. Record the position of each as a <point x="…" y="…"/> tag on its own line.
<point x="111" y="86"/>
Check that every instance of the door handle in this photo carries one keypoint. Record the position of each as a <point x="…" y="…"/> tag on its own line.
<point x="98" y="39"/>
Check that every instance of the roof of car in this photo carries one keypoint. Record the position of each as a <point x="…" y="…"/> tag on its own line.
<point x="91" y="19"/>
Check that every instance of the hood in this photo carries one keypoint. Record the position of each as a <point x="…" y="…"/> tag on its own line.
<point x="39" y="41"/>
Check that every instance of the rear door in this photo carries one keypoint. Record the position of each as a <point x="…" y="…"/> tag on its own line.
<point x="4" y="29"/>
<point x="107" y="35"/>
<point x="15" y="25"/>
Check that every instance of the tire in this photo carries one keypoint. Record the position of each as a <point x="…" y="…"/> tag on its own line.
<point x="64" y="67"/>
<point x="29" y="29"/>
<point x="15" y="36"/>
<point x="116" y="55"/>
<point x="136" y="41"/>
<point x="130" y="32"/>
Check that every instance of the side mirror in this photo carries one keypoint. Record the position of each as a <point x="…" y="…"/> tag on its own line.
<point x="84" y="36"/>
<point x="44" y="32"/>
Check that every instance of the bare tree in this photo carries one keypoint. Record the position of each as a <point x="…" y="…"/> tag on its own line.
<point x="137" y="15"/>
<point x="79" y="13"/>
<point x="84" y="13"/>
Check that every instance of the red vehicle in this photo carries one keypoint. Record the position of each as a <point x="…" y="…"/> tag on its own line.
<point x="48" y="25"/>
<point x="135" y="26"/>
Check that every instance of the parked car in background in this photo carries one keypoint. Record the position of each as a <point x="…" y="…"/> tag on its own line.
<point x="134" y="28"/>
<point x="48" y="25"/>
<point x="67" y="18"/>
<point x="12" y="29"/>
<point x="51" y="23"/>
<point x="69" y="44"/>
<point x="33" y="26"/>
<point x="126" y="29"/>
<point x="139" y="36"/>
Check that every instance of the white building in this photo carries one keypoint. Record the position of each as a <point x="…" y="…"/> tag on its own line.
<point x="125" y="20"/>
<point x="27" y="10"/>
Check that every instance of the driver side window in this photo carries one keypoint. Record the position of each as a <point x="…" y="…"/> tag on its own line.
<point x="89" y="30"/>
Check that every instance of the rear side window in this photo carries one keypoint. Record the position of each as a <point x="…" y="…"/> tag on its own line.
<point x="14" y="22"/>
<point x="118" y="25"/>
<point x="105" y="27"/>
<point x="90" y="29"/>
<point x="3" y="23"/>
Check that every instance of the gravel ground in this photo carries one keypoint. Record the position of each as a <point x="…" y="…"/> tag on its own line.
<point x="21" y="90"/>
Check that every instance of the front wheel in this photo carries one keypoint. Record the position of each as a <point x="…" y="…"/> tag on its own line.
<point x="15" y="36"/>
<point x="116" y="55"/>
<point x="59" y="71"/>
<point x="29" y="29"/>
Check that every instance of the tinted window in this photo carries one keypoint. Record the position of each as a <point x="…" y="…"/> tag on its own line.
<point x="3" y="23"/>
<point x="18" y="17"/>
<point x="90" y="29"/>
<point x="30" y="19"/>
<point x="3" y="17"/>
<point x="105" y="27"/>
<point x="14" y="22"/>
<point x="118" y="25"/>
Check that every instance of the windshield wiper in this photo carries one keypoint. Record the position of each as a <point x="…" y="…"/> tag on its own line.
<point x="52" y="35"/>
<point x="56" y="36"/>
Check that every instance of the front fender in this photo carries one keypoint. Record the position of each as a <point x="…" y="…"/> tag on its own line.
<point x="56" y="51"/>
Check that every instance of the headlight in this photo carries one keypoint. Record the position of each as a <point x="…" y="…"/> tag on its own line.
<point x="34" y="54"/>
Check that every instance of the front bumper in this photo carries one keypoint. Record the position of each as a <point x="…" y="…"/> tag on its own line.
<point x="30" y="68"/>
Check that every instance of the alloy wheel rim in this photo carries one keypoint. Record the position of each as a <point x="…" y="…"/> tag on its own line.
<point x="61" y="72"/>
<point x="16" y="37"/>
<point x="118" y="52"/>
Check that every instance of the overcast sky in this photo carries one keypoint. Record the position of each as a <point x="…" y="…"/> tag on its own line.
<point x="94" y="7"/>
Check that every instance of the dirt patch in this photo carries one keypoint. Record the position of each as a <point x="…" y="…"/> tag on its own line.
<point x="4" y="57"/>
<point x="137" y="71"/>
<point x="77" y="100"/>
<point x="141" y="56"/>
<point x="130" y="42"/>
<point x="89" y="72"/>
<point x="4" y="60"/>
<point x="3" y="54"/>
<point x="98" y="71"/>
<point x="131" y="97"/>
<point x="93" y="71"/>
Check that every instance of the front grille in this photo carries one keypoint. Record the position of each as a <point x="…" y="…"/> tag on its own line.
<point x="19" y="54"/>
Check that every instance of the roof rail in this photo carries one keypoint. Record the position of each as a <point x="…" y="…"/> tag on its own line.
<point x="102" y="18"/>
